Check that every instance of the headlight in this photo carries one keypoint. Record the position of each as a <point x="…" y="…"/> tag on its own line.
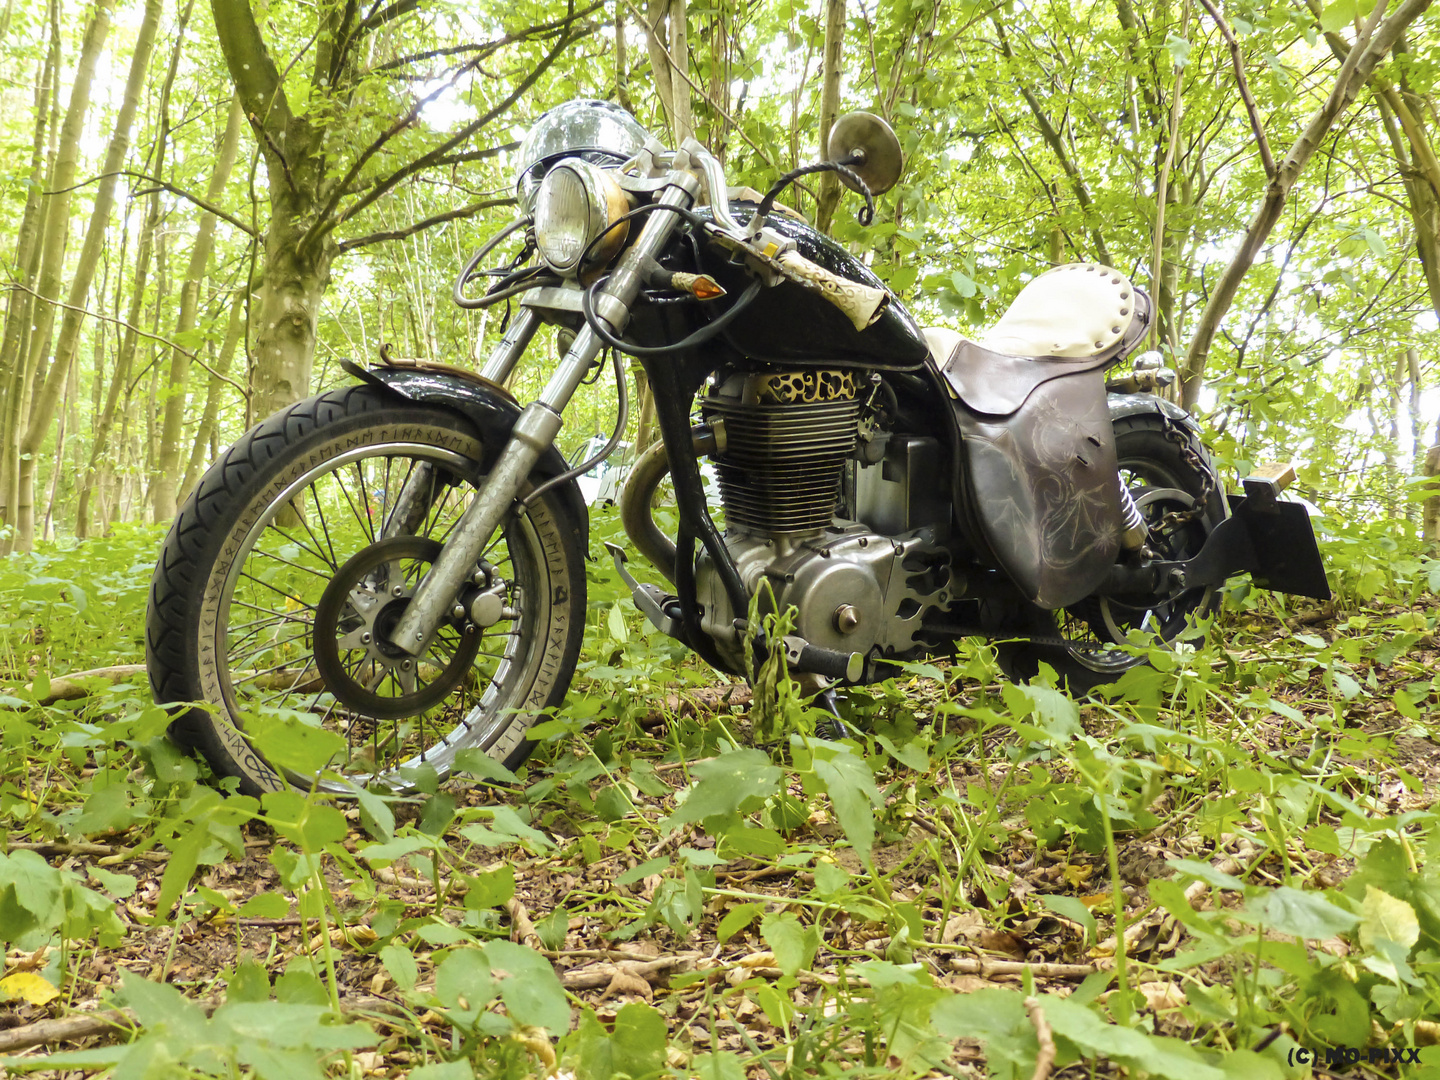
<point x="577" y="203"/>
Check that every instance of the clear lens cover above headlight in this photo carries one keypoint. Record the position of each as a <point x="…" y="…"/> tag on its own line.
<point x="577" y="202"/>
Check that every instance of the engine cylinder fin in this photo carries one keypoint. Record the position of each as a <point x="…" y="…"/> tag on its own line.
<point x="780" y="471"/>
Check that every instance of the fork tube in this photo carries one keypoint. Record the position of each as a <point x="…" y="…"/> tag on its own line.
<point x="533" y="434"/>
<point x="511" y="347"/>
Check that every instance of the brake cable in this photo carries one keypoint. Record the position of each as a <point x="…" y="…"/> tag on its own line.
<point x="622" y="418"/>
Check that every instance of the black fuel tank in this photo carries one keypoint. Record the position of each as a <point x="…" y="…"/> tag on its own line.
<point x="790" y="324"/>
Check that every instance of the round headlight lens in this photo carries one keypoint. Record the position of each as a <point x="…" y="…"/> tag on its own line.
<point x="562" y="218"/>
<point x="576" y="203"/>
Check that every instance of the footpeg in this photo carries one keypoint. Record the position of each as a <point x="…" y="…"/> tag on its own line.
<point x="648" y="598"/>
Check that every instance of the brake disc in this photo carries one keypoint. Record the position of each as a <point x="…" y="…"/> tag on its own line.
<point x="358" y="610"/>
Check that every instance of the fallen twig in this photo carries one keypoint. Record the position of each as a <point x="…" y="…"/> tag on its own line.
<point x="991" y="968"/>
<point x="524" y="929"/>
<point x="85" y="1025"/>
<point x="597" y="976"/>
<point x="1045" y="1058"/>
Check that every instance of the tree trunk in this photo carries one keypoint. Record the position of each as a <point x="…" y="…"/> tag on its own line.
<point x="163" y="487"/>
<point x="665" y="30"/>
<point x="1372" y="46"/>
<point x="1430" y="511"/>
<point x="52" y="259"/>
<point x="102" y="469"/>
<point x="21" y="304"/>
<point x="830" y="190"/>
<point x="205" y="430"/>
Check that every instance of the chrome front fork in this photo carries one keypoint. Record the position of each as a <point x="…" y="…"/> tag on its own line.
<point x="535" y="431"/>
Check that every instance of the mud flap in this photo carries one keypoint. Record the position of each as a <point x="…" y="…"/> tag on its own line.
<point x="1272" y="540"/>
<point x="1046" y="488"/>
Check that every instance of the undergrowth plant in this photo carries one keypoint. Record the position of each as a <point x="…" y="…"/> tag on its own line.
<point x="1226" y="861"/>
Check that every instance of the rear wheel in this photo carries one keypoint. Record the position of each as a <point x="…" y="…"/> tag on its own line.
<point x="295" y="556"/>
<point x="1169" y="474"/>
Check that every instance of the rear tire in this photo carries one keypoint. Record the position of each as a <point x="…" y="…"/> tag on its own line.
<point x="253" y="557"/>
<point x="1167" y="469"/>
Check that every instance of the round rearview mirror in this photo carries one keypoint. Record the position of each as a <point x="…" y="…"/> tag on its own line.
<point x="864" y="136"/>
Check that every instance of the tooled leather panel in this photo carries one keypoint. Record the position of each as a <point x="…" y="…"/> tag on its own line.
<point x="1047" y="489"/>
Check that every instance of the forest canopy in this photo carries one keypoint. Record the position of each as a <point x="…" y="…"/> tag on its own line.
<point x="208" y="204"/>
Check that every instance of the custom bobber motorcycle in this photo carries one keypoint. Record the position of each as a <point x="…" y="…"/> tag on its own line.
<point x="401" y="561"/>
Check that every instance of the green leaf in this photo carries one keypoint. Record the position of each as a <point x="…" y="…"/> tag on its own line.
<point x="376" y="815"/>
<point x="445" y="1070"/>
<point x="1071" y="908"/>
<point x="1155" y="1054"/>
<point x="184" y="858"/>
<point x="639" y="1041"/>
<point x="724" y="787"/>
<point x="736" y="919"/>
<point x="288" y="743"/>
<point x="1179" y="50"/>
<point x="400" y="963"/>
<point x="266" y="905"/>
<point x="477" y="762"/>
<point x="793" y="944"/>
<point x="644" y="870"/>
<point x="1206" y="873"/>
<point x="1299" y="914"/>
<point x="1383" y="917"/>
<point x="848" y="781"/>
<point x="464" y="983"/>
<point x="529" y="986"/>
<point x="998" y="1019"/>
<point x="490" y="888"/>
<point x="1054" y="712"/>
<point x="1339" y="15"/>
<point x="722" y="1065"/>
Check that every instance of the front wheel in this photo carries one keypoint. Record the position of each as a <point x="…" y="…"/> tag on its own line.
<point x="296" y="554"/>
<point x="1169" y="474"/>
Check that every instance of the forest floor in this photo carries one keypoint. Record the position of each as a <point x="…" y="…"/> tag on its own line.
<point x="664" y="891"/>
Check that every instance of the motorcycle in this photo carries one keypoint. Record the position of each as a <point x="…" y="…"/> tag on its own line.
<point x="400" y="562"/>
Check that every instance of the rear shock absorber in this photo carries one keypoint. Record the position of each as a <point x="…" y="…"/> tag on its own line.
<point x="1133" y="532"/>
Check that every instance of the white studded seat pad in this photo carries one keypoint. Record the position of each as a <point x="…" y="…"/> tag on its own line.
<point x="1071" y="311"/>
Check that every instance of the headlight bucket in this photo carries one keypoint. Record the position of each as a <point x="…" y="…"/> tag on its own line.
<point x="578" y="202"/>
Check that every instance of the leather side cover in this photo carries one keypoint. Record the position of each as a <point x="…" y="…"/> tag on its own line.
<point x="1046" y="487"/>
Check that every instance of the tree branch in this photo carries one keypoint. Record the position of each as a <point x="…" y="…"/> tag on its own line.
<point x="129" y="326"/>
<point x="327" y="223"/>
<point x="256" y="78"/>
<point x="475" y="155"/>
<point x="1057" y="147"/>
<point x="697" y="88"/>
<point x="1374" y="42"/>
<point x="210" y="208"/>
<point x="421" y="225"/>
<point x="1267" y="159"/>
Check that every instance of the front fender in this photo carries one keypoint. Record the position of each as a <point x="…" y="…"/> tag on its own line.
<point x="489" y="408"/>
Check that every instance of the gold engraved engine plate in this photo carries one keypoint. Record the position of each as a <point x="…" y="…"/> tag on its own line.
<point x="800" y="387"/>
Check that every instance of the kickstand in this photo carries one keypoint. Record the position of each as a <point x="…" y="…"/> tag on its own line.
<point x="835" y="727"/>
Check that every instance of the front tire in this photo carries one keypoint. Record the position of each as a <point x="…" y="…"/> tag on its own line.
<point x="1168" y="471"/>
<point x="289" y="560"/>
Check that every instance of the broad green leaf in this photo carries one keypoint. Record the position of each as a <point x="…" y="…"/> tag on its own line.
<point x="736" y="919"/>
<point x="477" y="762"/>
<point x="266" y="905"/>
<point x="400" y="963"/>
<point x="1155" y="1054"/>
<point x="1299" y="914"/>
<point x="724" y="787"/>
<point x="1383" y="917"/>
<point x="1206" y="873"/>
<point x="1071" y="908"/>
<point x="639" y="1041"/>
<point x="793" y="943"/>
<point x="445" y="1070"/>
<point x="998" y="1019"/>
<point x="529" y="986"/>
<point x="721" y="1065"/>
<point x="1339" y="15"/>
<point x="851" y="787"/>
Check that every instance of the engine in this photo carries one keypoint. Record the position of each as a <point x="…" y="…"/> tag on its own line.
<point x="840" y="521"/>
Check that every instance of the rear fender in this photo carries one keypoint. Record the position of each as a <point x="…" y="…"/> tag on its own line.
<point x="486" y="405"/>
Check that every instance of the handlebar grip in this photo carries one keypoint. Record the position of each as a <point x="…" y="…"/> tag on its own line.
<point x="860" y="303"/>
